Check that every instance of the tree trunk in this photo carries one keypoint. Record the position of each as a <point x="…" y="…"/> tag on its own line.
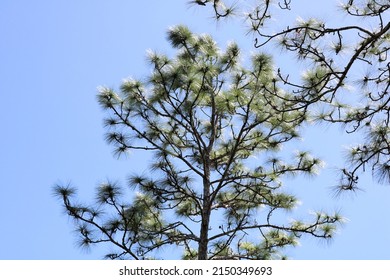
<point x="206" y="212"/>
<point x="204" y="235"/>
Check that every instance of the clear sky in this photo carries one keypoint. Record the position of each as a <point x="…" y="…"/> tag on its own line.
<point x="54" y="55"/>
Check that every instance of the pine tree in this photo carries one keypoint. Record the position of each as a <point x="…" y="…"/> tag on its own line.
<point x="214" y="128"/>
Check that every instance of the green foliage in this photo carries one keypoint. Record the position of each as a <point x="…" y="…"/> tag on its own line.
<point x="208" y="121"/>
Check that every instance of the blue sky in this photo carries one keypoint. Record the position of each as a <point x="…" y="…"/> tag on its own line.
<point x="54" y="55"/>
